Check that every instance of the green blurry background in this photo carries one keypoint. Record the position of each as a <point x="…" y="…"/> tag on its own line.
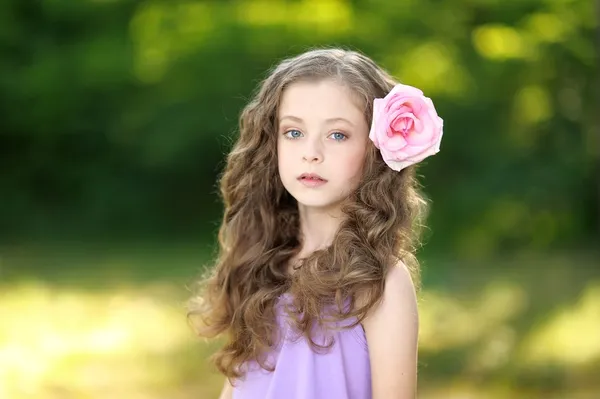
<point x="115" y="116"/>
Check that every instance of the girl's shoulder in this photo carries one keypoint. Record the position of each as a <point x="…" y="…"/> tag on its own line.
<point x="399" y="288"/>
<point x="391" y="328"/>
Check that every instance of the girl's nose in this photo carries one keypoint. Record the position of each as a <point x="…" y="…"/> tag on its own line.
<point x="312" y="152"/>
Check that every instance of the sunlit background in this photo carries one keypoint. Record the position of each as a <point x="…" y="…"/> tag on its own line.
<point x="115" y="116"/>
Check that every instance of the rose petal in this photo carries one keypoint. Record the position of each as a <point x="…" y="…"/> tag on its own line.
<point x="403" y="124"/>
<point x="404" y="90"/>
<point x="398" y="165"/>
<point x="418" y="125"/>
<point x="396" y="143"/>
<point x="399" y="112"/>
<point x="425" y="135"/>
<point x="393" y="163"/>
<point x="417" y="154"/>
<point x="377" y="108"/>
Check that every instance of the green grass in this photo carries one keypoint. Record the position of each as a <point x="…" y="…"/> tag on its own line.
<point x="95" y="322"/>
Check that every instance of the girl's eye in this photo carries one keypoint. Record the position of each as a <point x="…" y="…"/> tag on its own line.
<point x="293" y="134"/>
<point x="337" y="136"/>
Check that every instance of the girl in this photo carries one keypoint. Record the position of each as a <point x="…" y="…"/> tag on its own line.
<point x="314" y="284"/>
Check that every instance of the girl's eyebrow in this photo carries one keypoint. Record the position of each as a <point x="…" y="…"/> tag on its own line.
<point x="328" y="120"/>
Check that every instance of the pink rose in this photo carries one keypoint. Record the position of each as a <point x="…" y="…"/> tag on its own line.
<point x="406" y="127"/>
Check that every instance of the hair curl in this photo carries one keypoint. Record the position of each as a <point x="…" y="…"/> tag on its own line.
<point x="259" y="230"/>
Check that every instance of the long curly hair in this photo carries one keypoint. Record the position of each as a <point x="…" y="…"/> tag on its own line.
<point x="259" y="233"/>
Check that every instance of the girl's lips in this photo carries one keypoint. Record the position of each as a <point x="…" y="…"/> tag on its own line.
<point x="312" y="182"/>
<point x="312" y="176"/>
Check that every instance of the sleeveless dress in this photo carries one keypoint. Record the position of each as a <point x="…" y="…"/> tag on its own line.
<point x="341" y="372"/>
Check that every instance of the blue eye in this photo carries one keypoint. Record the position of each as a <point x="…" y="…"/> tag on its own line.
<point x="337" y="136"/>
<point x="293" y="134"/>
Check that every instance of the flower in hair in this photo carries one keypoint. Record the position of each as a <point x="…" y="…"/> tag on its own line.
<point x="406" y="127"/>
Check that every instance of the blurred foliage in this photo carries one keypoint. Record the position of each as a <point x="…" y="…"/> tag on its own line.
<point x="115" y="115"/>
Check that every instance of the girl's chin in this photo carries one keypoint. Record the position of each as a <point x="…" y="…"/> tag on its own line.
<point x="318" y="203"/>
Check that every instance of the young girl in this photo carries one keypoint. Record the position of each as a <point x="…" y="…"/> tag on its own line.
<point x="314" y="286"/>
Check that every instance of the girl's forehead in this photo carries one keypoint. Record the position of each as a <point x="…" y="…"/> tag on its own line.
<point x="320" y="98"/>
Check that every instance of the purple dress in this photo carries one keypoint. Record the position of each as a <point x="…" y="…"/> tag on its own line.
<point x="342" y="372"/>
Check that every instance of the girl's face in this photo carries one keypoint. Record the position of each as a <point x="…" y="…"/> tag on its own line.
<point x="321" y="143"/>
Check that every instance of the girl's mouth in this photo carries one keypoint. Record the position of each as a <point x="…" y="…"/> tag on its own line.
<point x="311" y="180"/>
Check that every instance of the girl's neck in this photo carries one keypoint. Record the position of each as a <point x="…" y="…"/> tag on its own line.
<point x="317" y="227"/>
